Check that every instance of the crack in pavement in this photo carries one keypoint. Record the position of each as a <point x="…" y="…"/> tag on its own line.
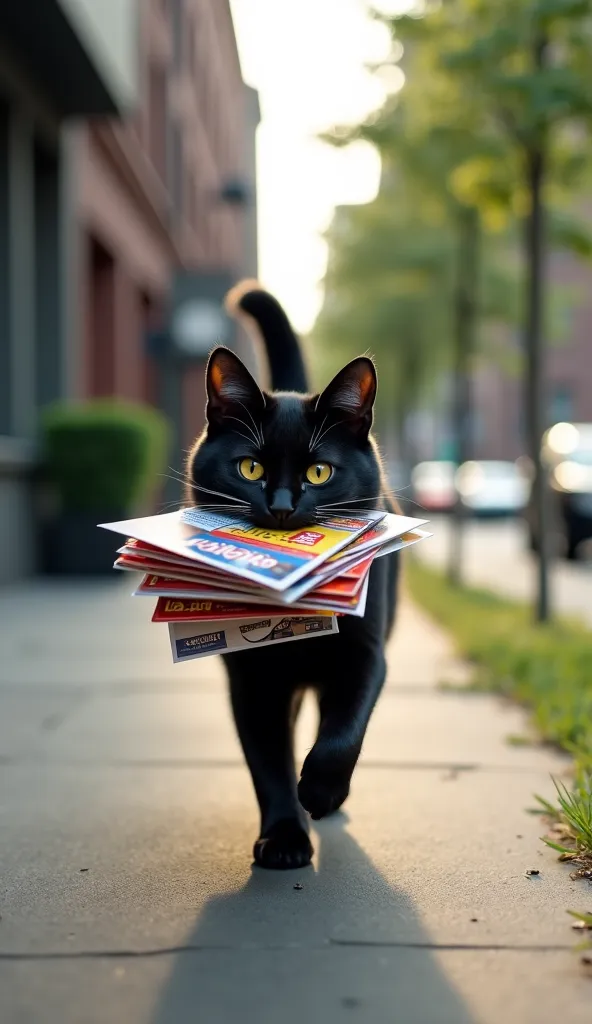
<point x="138" y="954"/>
<point x="229" y="763"/>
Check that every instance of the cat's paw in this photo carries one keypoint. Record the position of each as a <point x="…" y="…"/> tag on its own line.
<point x="322" y="795"/>
<point x="285" y="845"/>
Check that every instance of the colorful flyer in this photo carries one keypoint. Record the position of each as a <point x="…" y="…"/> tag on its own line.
<point x="173" y="586"/>
<point x="349" y="599"/>
<point x="272" y="558"/>
<point x="191" y="640"/>
<point x="407" y="540"/>
<point x="181" y="609"/>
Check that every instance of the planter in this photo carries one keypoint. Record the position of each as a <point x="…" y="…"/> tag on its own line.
<point x="71" y="544"/>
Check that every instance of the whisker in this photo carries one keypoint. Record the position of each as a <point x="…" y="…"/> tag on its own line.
<point x="220" y="494"/>
<point x="352" y="501"/>
<point x="375" y="497"/>
<point x="247" y="439"/>
<point x="213" y="508"/>
<point x="179" y="475"/>
<point x="175" y="479"/>
<point x="247" y="427"/>
<point x="341" y="508"/>
<point x="320" y="437"/>
<point x="168" y="505"/>
<point x="316" y="433"/>
<point x="258" y="430"/>
<point x="413" y="502"/>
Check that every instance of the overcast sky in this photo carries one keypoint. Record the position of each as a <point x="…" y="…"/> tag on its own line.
<point x="307" y="60"/>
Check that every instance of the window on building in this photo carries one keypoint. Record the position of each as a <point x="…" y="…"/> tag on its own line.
<point x="5" y="339"/>
<point x="177" y="31"/>
<point x="102" y="320"/>
<point x="177" y="171"/>
<point x="191" y="50"/>
<point x="157" y="118"/>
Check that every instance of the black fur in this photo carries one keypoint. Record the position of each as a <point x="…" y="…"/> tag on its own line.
<point x="347" y="671"/>
<point x="283" y="352"/>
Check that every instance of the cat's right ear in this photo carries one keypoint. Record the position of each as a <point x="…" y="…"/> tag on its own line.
<point x="230" y="387"/>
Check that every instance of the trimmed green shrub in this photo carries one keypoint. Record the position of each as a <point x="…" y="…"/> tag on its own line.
<point x="104" y="455"/>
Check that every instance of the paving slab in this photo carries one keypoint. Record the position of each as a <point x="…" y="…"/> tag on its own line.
<point x="194" y="726"/>
<point x="166" y="862"/>
<point x="70" y="636"/>
<point x="496" y="555"/>
<point x="127" y="818"/>
<point x="382" y="986"/>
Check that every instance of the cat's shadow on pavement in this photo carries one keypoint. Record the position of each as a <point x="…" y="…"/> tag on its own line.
<point x="271" y="953"/>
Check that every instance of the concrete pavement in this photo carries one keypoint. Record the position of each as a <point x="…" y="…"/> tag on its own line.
<point x="495" y="555"/>
<point x="127" y="819"/>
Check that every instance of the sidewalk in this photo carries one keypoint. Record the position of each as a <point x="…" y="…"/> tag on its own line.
<point x="127" y="818"/>
<point x="496" y="557"/>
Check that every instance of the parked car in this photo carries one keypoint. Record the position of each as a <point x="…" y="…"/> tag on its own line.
<point x="567" y="454"/>
<point x="433" y="486"/>
<point x="492" y="488"/>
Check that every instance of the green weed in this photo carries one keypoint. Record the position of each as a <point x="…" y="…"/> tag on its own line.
<point x="544" y="667"/>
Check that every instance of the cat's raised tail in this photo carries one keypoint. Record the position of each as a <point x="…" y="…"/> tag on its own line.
<point x="248" y="300"/>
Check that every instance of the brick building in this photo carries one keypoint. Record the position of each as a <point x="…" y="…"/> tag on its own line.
<point x="125" y="128"/>
<point x="498" y="395"/>
<point x="150" y="195"/>
<point x="59" y="60"/>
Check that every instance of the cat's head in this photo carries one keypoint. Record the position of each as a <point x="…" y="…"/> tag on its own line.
<point x="288" y="458"/>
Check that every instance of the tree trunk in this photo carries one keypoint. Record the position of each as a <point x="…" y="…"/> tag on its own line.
<point x="466" y="317"/>
<point x="535" y="384"/>
<point x="535" y="391"/>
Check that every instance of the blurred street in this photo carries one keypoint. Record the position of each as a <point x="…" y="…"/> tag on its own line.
<point x="496" y="555"/>
<point x="127" y="819"/>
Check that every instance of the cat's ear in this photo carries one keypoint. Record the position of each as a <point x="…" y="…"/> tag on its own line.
<point x="230" y="386"/>
<point x="350" y="396"/>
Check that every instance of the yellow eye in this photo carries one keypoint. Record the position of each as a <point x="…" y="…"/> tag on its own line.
<point x="319" y="473"/>
<point x="250" y="469"/>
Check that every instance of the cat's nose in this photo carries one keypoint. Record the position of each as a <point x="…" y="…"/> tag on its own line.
<point x="282" y="505"/>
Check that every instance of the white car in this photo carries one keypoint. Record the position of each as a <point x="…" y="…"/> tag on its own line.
<point x="492" y="488"/>
<point x="433" y="486"/>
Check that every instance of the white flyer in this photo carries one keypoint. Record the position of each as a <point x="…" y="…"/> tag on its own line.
<point x="191" y="640"/>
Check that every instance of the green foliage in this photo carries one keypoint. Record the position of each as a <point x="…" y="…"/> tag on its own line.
<point x="545" y="667"/>
<point x="486" y="86"/>
<point x="575" y="810"/>
<point x="527" y="58"/>
<point x="103" y="456"/>
<point x="387" y="287"/>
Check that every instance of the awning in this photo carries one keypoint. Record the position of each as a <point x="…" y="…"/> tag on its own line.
<point x="43" y="38"/>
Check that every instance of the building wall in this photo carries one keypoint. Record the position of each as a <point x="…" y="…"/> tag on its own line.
<point x="149" y="196"/>
<point x="31" y="354"/>
<point x="96" y="215"/>
<point x="108" y="30"/>
<point x="499" y="395"/>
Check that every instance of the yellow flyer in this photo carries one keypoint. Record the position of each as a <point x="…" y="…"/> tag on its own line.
<point x="273" y="558"/>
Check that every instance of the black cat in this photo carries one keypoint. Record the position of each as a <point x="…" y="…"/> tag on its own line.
<point x="283" y="459"/>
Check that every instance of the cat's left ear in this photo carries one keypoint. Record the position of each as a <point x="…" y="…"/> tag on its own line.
<point x="230" y="387"/>
<point x="350" y="396"/>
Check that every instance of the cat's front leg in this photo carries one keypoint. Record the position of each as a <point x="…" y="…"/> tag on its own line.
<point x="264" y="708"/>
<point x="346" y="704"/>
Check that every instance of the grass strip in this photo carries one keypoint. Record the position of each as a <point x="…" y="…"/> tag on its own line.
<point x="547" y="668"/>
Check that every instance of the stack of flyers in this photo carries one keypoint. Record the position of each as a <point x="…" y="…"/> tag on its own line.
<point x="223" y="584"/>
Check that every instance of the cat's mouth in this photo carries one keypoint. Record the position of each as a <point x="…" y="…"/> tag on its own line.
<point x="293" y="521"/>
